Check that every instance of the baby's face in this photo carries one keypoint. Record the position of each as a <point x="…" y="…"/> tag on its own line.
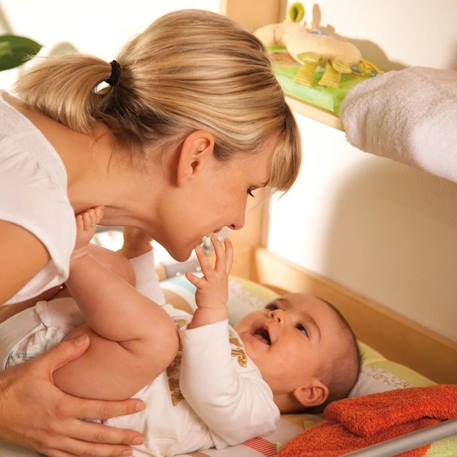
<point x="292" y="340"/>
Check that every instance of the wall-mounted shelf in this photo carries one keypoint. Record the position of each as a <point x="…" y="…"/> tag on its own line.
<point x="254" y="15"/>
<point x="320" y="115"/>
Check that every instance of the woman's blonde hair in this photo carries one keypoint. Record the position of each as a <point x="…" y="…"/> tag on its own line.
<point x="187" y="71"/>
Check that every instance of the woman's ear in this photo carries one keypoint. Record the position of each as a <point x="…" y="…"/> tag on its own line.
<point x="312" y="394"/>
<point x="194" y="154"/>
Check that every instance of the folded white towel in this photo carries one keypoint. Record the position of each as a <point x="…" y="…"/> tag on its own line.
<point x="408" y="115"/>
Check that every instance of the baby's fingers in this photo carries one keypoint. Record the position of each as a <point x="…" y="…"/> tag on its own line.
<point x="220" y="254"/>
<point x="203" y="261"/>
<point x="193" y="279"/>
<point x="228" y="255"/>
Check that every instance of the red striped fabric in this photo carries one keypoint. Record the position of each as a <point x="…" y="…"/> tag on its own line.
<point x="262" y="446"/>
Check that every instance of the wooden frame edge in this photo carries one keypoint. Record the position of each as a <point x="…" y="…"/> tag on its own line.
<point x="254" y="14"/>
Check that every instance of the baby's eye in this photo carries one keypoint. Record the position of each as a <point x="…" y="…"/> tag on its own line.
<point x="303" y="329"/>
<point x="271" y="306"/>
<point x="251" y="191"/>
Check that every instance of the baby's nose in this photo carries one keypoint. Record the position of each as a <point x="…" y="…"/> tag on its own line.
<point x="278" y="315"/>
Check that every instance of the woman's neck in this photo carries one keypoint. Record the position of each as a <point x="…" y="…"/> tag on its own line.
<point x="95" y="172"/>
<point x="100" y="174"/>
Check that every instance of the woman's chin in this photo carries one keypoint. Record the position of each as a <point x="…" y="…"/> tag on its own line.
<point x="180" y="254"/>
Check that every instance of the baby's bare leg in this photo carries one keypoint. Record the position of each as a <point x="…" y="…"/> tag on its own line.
<point x="115" y="262"/>
<point x="132" y="338"/>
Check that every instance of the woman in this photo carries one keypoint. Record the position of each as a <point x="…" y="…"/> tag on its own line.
<point x="192" y="122"/>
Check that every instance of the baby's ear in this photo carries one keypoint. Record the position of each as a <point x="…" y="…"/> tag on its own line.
<point x="313" y="394"/>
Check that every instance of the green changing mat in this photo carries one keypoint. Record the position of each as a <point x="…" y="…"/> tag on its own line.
<point x="327" y="98"/>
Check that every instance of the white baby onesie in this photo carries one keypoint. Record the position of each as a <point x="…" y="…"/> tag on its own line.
<point x="213" y="395"/>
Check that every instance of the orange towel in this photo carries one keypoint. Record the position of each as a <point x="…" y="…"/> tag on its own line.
<point x="364" y="421"/>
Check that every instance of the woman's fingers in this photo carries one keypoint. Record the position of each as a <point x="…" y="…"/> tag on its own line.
<point x="37" y="415"/>
<point x="65" y="352"/>
<point x="99" y="409"/>
<point x="83" y="438"/>
<point x="72" y="447"/>
<point x="103" y="434"/>
<point x="60" y="454"/>
<point x="74" y="408"/>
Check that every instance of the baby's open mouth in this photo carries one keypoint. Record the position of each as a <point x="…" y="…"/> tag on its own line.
<point x="263" y="335"/>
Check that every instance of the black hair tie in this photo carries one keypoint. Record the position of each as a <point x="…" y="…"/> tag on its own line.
<point x="115" y="76"/>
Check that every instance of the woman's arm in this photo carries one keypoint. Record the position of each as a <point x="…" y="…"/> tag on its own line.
<point x="33" y="412"/>
<point x="24" y="256"/>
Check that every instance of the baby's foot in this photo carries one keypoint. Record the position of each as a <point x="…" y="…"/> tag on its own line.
<point x="86" y="225"/>
<point x="136" y="242"/>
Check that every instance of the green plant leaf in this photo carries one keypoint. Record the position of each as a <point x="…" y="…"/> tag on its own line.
<point x="15" y="50"/>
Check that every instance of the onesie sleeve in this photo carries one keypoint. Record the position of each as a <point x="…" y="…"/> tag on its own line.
<point x="234" y="401"/>
<point x="147" y="282"/>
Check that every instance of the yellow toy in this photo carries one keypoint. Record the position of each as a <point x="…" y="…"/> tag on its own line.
<point x="313" y="49"/>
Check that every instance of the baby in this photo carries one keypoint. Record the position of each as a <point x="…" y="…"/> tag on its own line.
<point x="222" y="385"/>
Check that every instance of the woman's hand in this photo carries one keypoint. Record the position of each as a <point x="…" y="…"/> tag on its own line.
<point x="37" y="415"/>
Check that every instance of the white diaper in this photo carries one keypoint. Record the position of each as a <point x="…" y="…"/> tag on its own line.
<point x="37" y="330"/>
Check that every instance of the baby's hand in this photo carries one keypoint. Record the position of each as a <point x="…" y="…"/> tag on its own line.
<point x="86" y="225"/>
<point x="212" y="288"/>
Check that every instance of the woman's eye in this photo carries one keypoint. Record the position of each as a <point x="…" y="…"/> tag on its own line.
<point x="303" y="329"/>
<point x="271" y="306"/>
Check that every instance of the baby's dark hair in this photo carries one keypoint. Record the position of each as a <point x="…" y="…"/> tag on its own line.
<point x="342" y="376"/>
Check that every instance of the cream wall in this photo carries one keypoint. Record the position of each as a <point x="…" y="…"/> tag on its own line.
<point x="385" y="230"/>
<point x="99" y="27"/>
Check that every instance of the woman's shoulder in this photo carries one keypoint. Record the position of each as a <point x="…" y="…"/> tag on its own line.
<point x="30" y="168"/>
<point x="12" y="119"/>
<point x="33" y="186"/>
<point x="25" y="153"/>
<point x="34" y="190"/>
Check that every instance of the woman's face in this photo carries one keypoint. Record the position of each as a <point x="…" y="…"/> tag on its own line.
<point x="215" y="200"/>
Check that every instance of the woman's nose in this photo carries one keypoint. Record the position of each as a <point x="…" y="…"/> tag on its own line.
<point x="238" y="222"/>
<point x="236" y="226"/>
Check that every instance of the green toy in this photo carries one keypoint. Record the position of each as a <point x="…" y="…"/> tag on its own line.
<point x="314" y="50"/>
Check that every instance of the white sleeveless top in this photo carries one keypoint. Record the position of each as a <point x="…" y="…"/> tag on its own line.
<point x="33" y="195"/>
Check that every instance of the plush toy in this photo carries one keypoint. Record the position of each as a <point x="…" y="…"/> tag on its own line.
<point x="309" y="46"/>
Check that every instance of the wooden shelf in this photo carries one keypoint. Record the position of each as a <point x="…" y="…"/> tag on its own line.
<point x="319" y="115"/>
